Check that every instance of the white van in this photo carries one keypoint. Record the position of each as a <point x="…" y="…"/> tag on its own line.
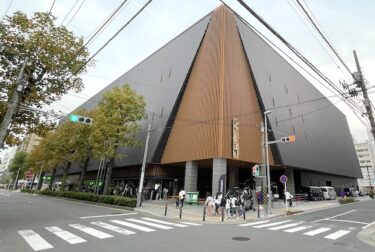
<point x="328" y="193"/>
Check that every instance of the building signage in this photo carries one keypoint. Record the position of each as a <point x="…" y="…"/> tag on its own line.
<point x="235" y="138"/>
<point x="222" y="186"/>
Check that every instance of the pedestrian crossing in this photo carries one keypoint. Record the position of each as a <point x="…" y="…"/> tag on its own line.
<point x="71" y="233"/>
<point x="293" y="227"/>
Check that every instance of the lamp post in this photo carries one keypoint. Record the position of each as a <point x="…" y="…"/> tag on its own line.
<point x="267" y="161"/>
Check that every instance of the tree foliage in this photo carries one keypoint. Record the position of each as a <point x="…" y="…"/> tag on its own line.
<point x="18" y="163"/>
<point x="116" y="121"/>
<point x="55" y="58"/>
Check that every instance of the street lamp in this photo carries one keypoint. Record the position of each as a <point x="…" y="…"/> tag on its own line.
<point x="267" y="161"/>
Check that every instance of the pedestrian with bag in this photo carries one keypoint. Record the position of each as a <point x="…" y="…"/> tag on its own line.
<point x="182" y="197"/>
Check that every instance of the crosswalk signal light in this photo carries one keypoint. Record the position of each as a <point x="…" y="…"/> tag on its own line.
<point x="255" y="170"/>
<point x="80" y="119"/>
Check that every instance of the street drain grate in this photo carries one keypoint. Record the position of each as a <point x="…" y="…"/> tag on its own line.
<point x="240" y="238"/>
<point x="116" y="213"/>
<point x="340" y="244"/>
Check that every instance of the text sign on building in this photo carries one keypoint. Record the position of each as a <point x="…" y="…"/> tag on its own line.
<point x="235" y="138"/>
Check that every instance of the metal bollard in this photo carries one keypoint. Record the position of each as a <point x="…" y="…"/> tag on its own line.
<point x="244" y="213"/>
<point x="222" y="214"/>
<point x="258" y="211"/>
<point x="180" y="212"/>
<point x="204" y="213"/>
<point x="166" y="209"/>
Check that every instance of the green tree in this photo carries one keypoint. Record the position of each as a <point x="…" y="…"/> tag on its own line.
<point x="56" y="57"/>
<point x="17" y="165"/>
<point x="115" y="125"/>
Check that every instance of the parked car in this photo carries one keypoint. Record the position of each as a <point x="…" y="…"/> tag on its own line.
<point x="349" y="191"/>
<point x="313" y="193"/>
<point x="328" y="192"/>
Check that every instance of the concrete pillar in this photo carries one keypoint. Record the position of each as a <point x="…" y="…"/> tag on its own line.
<point x="219" y="175"/>
<point x="191" y="176"/>
<point x="232" y="177"/>
<point x="289" y="172"/>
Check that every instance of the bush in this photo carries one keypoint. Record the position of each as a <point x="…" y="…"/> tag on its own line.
<point x="107" y="199"/>
<point x="371" y="194"/>
<point x="347" y="200"/>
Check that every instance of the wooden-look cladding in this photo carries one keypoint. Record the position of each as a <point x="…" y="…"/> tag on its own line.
<point x="219" y="89"/>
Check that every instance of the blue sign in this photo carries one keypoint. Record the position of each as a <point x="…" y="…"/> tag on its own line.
<point x="283" y="179"/>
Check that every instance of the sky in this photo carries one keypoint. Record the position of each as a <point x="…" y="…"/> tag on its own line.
<point x="348" y="24"/>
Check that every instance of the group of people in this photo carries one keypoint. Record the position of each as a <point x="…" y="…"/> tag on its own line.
<point x="234" y="204"/>
<point x="150" y="193"/>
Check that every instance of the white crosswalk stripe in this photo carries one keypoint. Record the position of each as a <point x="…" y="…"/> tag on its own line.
<point x="165" y="222"/>
<point x="191" y="223"/>
<point x="272" y="224"/>
<point x="112" y="228"/>
<point x="293" y="230"/>
<point x="253" y="223"/>
<point x="35" y="241"/>
<point x="91" y="231"/>
<point x="337" y="234"/>
<point x="150" y="224"/>
<point x="132" y="225"/>
<point x="65" y="235"/>
<point x="284" y="226"/>
<point x="317" y="231"/>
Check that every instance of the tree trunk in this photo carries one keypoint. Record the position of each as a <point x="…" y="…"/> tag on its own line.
<point x="84" y="165"/>
<point x="32" y="182"/>
<point x="40" y="180"/>
<point x="52" y="179"/>
<point x="65" y="175"/>
<point x="108" y="176"/>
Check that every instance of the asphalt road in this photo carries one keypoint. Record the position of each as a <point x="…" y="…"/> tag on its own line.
<point x="38" y="223"/>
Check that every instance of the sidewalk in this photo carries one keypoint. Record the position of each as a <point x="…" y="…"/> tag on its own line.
<point x="195" y="212"/>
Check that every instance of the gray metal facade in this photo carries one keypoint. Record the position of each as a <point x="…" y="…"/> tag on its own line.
<point x="323" y="140"/>
<point x="159" y="78"/>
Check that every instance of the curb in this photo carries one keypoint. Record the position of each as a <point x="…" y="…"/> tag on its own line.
<point x="367" y="235"/>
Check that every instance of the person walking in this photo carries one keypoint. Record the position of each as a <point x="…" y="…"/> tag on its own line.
<point x="288" y="199"/>
<point x="182" y="196"/>
<point x="165" y="193"/>
<point x="209" y="203"/>
<point x="228" y="205"/>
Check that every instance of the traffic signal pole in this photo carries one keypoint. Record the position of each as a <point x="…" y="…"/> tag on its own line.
<point x="12" y="106"/>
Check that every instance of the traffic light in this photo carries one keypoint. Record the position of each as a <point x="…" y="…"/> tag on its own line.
<point x="288" y="139"/>
<point x="80" y="119"/>
<point x="256" y="170"/>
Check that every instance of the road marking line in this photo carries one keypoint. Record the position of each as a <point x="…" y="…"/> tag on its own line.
<point x="65" y="235"/>
<point x="191" y="223"/>
<point x="106" y="215"/>
<point x="317" y="231"/>
<point x="91" y="231"/>
<point x="272" y="224"/>
<point x="253" y="223"/>
<point x="368" y="225"/>
<point x="328" y="218"/>
<point x="135" y="226"/>
<point x="337" y="234"/>
<point x="150" y="224"/>
<point x="112" y="228"/>
<point x="297" y="229"/>
<point x="283" y="226"/>
<point x="165" y="222"/>
<point x="35" y="241"/>
<point x="349" y="221"/>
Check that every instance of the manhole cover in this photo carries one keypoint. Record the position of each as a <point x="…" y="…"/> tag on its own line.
<point x="240" y="238"/>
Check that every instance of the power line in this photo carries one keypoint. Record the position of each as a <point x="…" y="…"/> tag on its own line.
<point x="9" y="6"/>
<point x="324" y="38"/>
<point x="75" y="13"/>
<point x="345" y="98"/>
<point x="70" y="11"/>
<point x="108" y="41"/>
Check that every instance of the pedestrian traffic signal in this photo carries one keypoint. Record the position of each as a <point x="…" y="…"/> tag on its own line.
<point x="80" y="119"/>
<point x="288" y="139"/>
<point x="256" y="170"/>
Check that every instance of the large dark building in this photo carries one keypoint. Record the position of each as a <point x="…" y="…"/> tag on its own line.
<point x="206" y="93"/>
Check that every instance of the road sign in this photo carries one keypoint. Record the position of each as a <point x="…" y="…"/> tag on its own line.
<point x="256" y="171"/>
<point x="283" y="179"/>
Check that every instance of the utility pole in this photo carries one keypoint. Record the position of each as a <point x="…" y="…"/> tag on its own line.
<point x="269" y="198"/>
<point x="13" y="105"/>
<point x="140" y="187"/>
<point x="361" y="83"/>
